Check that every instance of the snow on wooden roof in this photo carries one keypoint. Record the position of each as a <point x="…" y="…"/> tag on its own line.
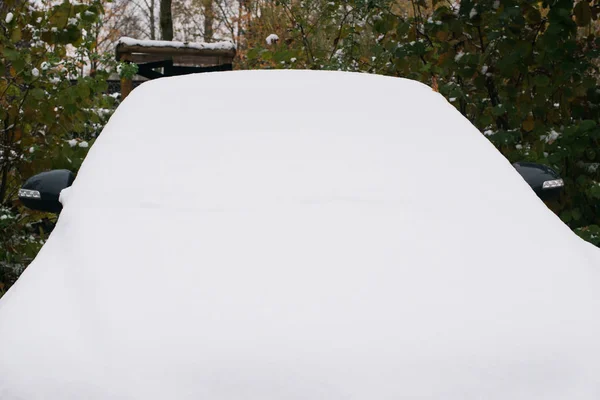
<point x="184" y="53"/>
<point x="127" y="41"/>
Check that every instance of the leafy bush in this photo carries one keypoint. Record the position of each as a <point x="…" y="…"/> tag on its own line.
<point x="50" y="112"/>
<point x="22" y="237"/>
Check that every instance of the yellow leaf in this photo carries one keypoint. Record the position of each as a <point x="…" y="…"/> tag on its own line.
<point x="434" y="84"/>
<point x="442" y="35"/>
<point x="16" y="35"/>
<point x="443" y="58"/>
<point x="528" y="124"/>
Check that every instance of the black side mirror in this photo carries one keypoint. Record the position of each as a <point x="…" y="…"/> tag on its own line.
<point x="544" y="181"/>
<point x="41" y="191"/>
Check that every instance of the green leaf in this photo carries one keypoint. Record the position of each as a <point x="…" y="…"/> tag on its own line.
<point x="10" y="54"/>
<point x="60" y="15"/>
<point x="498" y="110"/>
<point x="83" y="91"/>
<point x="532" y="14"/>
<point x="590" y="154"/>
<point x="18" y="64"/>
<point x="541" y="80"/>
<point x="37" y="93"/>
<point x="522" y="48"/>
<point x="587" y="125"/>
<point x="16" y="35"/>
<point x="253" y="53"/>
<point x="14" y="90"/>
<point x="402" y="29"/>
<point x="566" y="217"/>
<point x="266" y="55"/>
<point x="70" y="108"/>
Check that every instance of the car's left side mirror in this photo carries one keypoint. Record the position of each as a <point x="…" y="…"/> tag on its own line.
<point x="41" y="191"/>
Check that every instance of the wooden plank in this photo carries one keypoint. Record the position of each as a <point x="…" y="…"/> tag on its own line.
<point x="186" y="60"/>
<point x="199" y="61"/>
<point x="172" y="51"/>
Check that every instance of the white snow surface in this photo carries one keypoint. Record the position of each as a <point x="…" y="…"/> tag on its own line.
<point x="550" y="137"/>
<point x="187" y="45"/>
<point x="9" y="17"/>
<point x="272" y="38"/>
<point x="360" y="240"/>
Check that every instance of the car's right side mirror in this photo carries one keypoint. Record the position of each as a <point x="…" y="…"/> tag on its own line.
<point x="41" y="191"/>
<point x="544" y="181"/>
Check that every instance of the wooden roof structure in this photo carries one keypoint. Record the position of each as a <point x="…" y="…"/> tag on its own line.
<point x="159" y="58"/>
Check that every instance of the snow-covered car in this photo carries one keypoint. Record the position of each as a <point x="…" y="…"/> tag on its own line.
<point x="301" y="235"/>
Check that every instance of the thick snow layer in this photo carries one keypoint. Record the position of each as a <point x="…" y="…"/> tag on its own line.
<point x="358" y="239"/>
<point x="180" y="45"/>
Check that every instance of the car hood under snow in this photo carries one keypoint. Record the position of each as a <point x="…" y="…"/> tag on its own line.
<point x="294" y="235"/>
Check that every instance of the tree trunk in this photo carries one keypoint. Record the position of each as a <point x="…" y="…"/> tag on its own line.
<point x="151" y="11"/>
<point x="239" y="24"/>
<point x="209" y="18"/>
<point x="126" y="87"/>
<point x="166" y="20"/>
<point x="5" y="166"/>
